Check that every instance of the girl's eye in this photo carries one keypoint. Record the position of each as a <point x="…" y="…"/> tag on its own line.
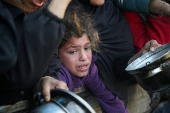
<point x="87" y="48"/>
<point x="72" y="52"/>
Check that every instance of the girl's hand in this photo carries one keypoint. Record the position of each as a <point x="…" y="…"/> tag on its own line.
<point x="47" y="83"/>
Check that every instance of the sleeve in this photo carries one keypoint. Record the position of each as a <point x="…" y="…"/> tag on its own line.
<point x="62" y="76"/>
<point x="109" y="102"/>
<point x="8" y="40"/>
<point x="44" y="31"/>
<point x="53" y="66"/>
<point x="65" y="76"/>
<point x="139" y="6"/>
<point x="42" y="34"/>
<point x="138" y="29"/>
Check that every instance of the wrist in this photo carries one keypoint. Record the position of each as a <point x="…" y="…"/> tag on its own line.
<point x="165" y="9"/>
<point x="58" y="7"/>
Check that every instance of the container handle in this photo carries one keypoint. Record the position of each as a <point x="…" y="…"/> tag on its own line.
<point x="157" y="70"/>
<point x="154" y="72"/>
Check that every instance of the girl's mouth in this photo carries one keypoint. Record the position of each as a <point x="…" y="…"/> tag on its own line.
<point x="82" y="68"/>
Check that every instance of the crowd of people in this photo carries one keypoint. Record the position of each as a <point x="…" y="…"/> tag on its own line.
<point x="68" y="44"/>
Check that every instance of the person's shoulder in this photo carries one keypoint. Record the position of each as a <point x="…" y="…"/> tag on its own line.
<point x="94" y="58"/>
<point x="63" y="70"/>
<point x="13" y="10"/>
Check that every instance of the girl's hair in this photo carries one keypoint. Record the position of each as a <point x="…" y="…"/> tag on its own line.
<point x="78" y="23"/>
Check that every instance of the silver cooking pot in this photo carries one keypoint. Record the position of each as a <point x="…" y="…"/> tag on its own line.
<point x="152" y="70"/>
<point x="62" y="101"/>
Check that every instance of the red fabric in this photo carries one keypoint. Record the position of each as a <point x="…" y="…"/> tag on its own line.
<point x="157" y="28"/>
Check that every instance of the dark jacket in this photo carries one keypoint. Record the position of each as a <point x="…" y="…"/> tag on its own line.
<point x="39" y="33"/>
<point x="8" y="40"/>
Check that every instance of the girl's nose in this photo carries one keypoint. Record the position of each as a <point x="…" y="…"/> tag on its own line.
<point x="83" y="55"/>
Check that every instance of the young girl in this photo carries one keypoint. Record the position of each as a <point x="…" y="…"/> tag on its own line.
<point x="78" y="64"/>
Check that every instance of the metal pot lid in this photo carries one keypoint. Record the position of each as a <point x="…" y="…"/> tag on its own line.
<point x="161" y="53"/>
<point x="61" y="101"/>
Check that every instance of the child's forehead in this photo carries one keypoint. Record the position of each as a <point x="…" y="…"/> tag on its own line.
<point x="78" y="40"/>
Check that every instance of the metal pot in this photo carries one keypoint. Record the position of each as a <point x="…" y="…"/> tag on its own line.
<point x="152" y="70"/>
<point x="62" y="101"/>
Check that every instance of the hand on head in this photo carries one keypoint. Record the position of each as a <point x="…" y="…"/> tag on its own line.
<point x="47" y="83"/>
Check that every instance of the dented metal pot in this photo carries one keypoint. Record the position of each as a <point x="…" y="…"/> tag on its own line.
<point x="152" y="70"/>
<point x="62" y="101"/>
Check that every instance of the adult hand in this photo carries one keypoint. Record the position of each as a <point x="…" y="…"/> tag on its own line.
<point x="47" y="83"/>
<point x="149" y="46"/>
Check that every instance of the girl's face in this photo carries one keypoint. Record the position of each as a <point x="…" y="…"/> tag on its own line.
<point x="76" y="55"/>
<point x="33" y="4"/>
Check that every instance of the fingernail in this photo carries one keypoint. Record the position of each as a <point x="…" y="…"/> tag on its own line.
<point x="47" y="98"/>
<point x="152" y="48"/>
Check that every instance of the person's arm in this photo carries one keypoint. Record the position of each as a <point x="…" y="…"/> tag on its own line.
<point x="57" y="8"/>
<point x="159" y="7"/>
<point x="107" y="100"/>
<point x="40" y="37"/>
<point x="140" y="6"/>
<point x="97" y="2"/>
<point x="8" y="40"/>
<point x="149" y="7"/>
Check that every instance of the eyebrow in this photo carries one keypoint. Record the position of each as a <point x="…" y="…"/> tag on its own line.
<point x="78" y="46"/>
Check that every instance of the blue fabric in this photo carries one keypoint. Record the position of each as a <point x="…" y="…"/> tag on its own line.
<point x="163" y="107"/>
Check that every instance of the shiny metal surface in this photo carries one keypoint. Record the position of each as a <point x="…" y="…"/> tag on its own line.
<point x="152" y="70"/>
<point x="63" y="101"/>
<point x="162" y="53"/>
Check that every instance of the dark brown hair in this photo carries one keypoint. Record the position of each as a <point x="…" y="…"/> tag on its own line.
<point x="78" y="23"/>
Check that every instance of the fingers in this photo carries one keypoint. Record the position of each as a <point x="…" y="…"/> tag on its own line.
<point x="46" y="87"/>
<point x="153" y="45"/>
<point x="47" y="83"/>
<point x="150" y="46"/>
<point x="62" y="85"/>
<point x="43" y="86"/>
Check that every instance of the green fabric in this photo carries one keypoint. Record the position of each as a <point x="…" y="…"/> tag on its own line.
<point x="139" y="6"/>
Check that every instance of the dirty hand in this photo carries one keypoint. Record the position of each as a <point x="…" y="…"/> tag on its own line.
<point x="47" y="83"/>
<point x="149" y="46"/>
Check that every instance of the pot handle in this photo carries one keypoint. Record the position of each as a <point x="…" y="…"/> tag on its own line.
<point x="154" y="72"/>
<point x="157" y="70"/>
